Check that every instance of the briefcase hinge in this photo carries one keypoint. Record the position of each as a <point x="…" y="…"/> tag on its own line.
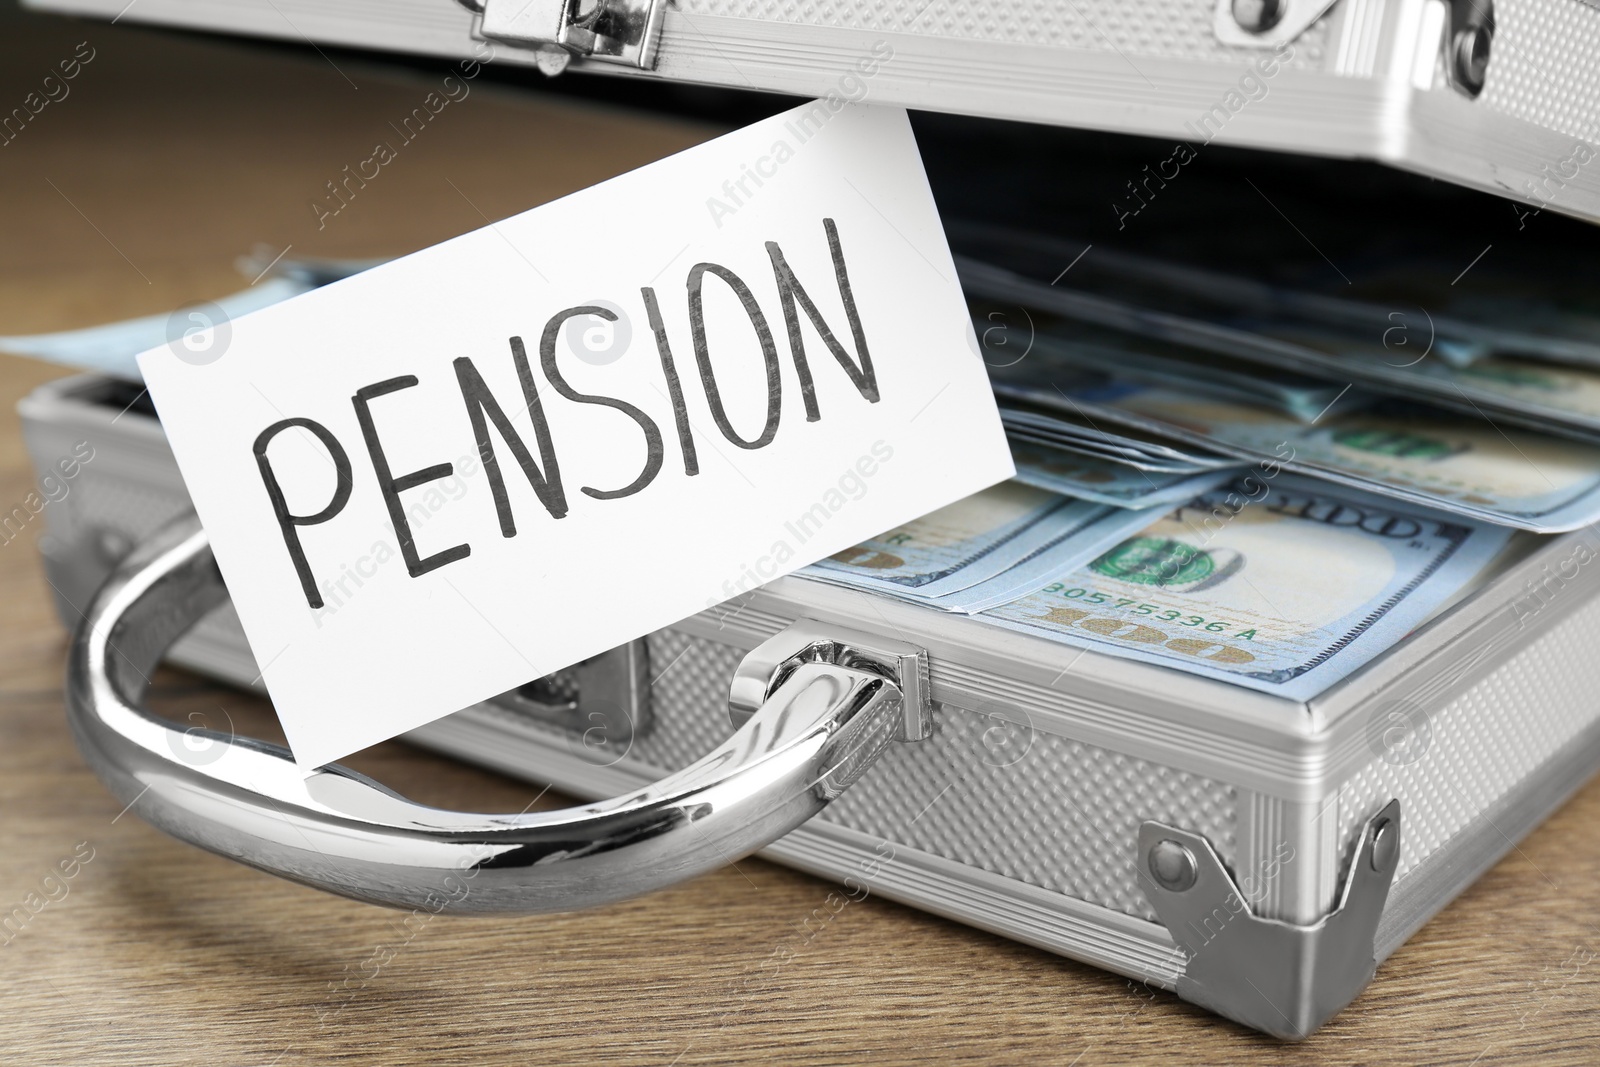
<point x="608" y="31"/>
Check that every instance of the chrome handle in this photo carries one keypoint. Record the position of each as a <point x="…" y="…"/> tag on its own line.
<point x="820" y="725"/>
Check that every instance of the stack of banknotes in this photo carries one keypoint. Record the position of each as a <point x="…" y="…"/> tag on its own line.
<point x="1292" y="480"/>
<point x="110" y="348"/>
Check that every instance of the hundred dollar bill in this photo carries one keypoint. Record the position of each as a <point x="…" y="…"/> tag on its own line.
<point x="1463" y="465"/>
<point x="1284" y="586"/>
<point x="1483" y="313"/>
<point x="963" y="543"/>
<point x="1564" y="400"/>
<point x="1106" y="481"/>
<point x="1493" y="309"/>
<point x="1410" y="451"/>
<point x="1063" y="553"/>
<point x="1042" y="430"/>
<point x="1089" y="348"/>
<point x="1057" y="418"/>
<point x="1543" y="396"/>
<point x="110" y="348"/>
<point x="1006" y="534"/>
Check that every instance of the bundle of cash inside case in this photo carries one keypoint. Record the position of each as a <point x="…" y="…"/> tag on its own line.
<point x="1246" y="481"/>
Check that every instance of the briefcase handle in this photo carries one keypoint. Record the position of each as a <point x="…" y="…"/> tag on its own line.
<point x="824" y="704"/>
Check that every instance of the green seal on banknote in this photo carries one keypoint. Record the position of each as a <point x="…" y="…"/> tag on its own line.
<point x="1396" y="443"/>
<point x="1155" y="561"/>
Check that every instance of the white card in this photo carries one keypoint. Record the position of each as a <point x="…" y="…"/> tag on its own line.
<point x="695" y="436"/>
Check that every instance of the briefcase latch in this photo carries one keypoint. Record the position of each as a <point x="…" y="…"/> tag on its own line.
<point x="609" y="31"/>
<point x="767" y="666"/>
<point x="605" y="700"/>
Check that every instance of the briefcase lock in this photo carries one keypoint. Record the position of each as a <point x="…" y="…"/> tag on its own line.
<point x="604" y="701"/>
<point x="610" y="31"/>
<point x="818" y="704"/>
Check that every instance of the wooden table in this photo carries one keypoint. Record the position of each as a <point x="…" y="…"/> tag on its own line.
<point x="132" y="196"/>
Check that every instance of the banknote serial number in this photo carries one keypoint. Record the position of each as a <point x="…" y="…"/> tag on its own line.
<point x="1154" y="611"/>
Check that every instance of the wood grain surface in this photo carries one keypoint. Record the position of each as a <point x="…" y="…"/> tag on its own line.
<point x="133" y="195"/>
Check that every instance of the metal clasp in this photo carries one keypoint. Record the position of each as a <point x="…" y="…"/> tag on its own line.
<point x="610" y="31"/>
<point x="769" y="664"/>
<point x="606" y="698"/>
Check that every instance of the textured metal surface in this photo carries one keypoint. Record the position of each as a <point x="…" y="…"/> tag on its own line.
<point x="986" y="790"/>
<point x="1364" y="81"/>
<point x="1178" y="29"/>
<point x="1063" y="817"/>
<point x="108" y="499"/>
<point x="1544" y="66"/>
<point x="1461" y="760"/>
<point x="689" y="695"/>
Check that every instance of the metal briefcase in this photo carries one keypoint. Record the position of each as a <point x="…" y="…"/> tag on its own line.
<point x="1259" y="856"/>
<point x="1256" y="855"/>
<point x="1499" y="95"/>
